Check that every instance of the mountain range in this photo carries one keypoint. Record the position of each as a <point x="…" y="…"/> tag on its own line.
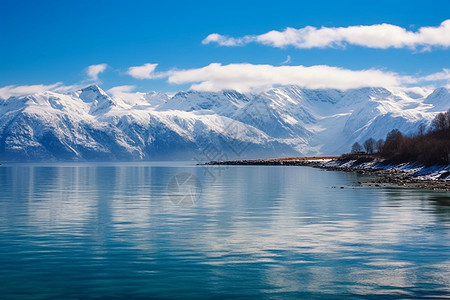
<point x="89" y="124"/>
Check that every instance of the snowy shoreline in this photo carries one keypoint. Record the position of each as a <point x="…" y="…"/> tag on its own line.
<point x="385" y="172"/>
<point x="409" y="174"/>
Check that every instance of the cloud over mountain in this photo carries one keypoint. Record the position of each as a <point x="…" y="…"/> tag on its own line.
<point x="145" y="71"/>
<point x="380" y="36"/>
<point x="93" y="71"/>
<point x="245" y="77"/>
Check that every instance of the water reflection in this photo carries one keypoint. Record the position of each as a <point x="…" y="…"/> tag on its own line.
<point x="254" y="232"/>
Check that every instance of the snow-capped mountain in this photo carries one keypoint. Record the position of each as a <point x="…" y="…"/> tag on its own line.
<point x="89" y="124"/>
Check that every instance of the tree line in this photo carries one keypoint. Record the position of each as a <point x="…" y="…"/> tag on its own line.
<point x="427" y="147"/>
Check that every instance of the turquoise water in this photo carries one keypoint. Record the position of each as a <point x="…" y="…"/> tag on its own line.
<point x="174" y="230"/>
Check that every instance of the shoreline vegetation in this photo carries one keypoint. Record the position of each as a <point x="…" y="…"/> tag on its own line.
<point x="385" y="172"/>
<point x="419" y="161"/>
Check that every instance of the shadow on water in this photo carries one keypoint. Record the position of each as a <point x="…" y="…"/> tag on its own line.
<point x="441" y="205"/>
<point x="441" y="201"/>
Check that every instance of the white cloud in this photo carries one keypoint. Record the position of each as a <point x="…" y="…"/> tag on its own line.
<point x="246" y="77"/>
<point x="381" y="36"/>
<point x="254" y="78"/>
<point x="22" y="90"/>
<point x="145" y="71"/>
<point x="249" y="77"/>
<point x="117" y="90"/>
<point x="93" y="71"/>
<point x="227" y="41"/>
<point x="439" y="76"/>
<point x="68" y="88"/>
<point x="287" y="60"/>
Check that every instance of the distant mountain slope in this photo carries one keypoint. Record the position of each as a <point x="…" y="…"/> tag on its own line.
<point x="89" y="124"/>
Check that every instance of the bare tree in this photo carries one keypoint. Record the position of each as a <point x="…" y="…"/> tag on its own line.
<point x="369" y="145"/>
<point x="379" y="145"/>
<point x="356" y="147"/>
<point x="422" y="129"/>
<point x="393" y="140"/>
<point x="447" y="115"/>
<point x="440" y="122"/>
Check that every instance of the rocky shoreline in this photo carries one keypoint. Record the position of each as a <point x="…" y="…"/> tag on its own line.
<point x="387" y="177"/>
<point x="385" y="173"/>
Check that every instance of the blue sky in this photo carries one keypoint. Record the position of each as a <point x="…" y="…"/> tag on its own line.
<point x="54" y="42"/>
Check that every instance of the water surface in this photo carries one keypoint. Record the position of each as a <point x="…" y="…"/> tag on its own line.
<point x="78" y="231"/>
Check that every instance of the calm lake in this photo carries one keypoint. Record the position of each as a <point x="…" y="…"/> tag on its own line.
<point x="180" y="231"/>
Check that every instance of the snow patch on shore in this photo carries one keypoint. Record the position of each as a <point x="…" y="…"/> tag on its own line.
<point x="421" y="172"/>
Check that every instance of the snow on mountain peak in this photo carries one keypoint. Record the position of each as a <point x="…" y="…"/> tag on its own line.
<point x="219" y="102"/>
<point x="439" y="98"/>
<point x="284" y="121"/>
<point x="92" y="93"/>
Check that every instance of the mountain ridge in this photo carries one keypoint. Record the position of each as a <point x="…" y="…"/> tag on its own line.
<point x="89" y="124"/>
